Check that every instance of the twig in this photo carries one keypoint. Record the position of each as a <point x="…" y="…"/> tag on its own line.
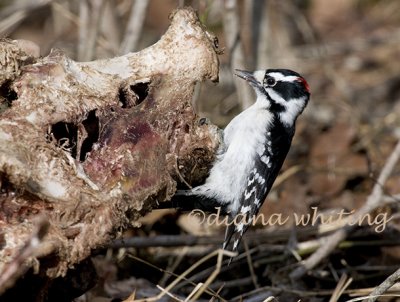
<point x="286" y="175"/>
<point x="134" y="27"/>
<point x="218" y="291"/>
<point x="197" y="287"/>
<point x="164" y="291"/>
<point x="363" y="298"/>
<point x="373" y="201"/>
<point x="174" y="265"/>
<point x="269" y="299"/>
<point x="210" y="292"/>
<point x="343" y="283"/>
<point x="181" y="178"/>
<point x="276" y="290"/>
<point x="206" y="272"/>
<point x="250" y="264"/>
<point x="384" y="286"/>
<point x="191" y="240"/>
<point x="219" y="253"/>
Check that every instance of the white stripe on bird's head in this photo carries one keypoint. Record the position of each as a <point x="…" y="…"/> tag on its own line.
<point x="293" y="108"/>
<point x="259" y="75"/>
<point x="283" y="78"/>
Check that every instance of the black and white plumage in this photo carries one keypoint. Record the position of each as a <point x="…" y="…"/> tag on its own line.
<point x="255" y="144"/>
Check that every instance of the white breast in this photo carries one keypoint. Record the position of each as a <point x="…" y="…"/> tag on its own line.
<point x="243" y="136"/>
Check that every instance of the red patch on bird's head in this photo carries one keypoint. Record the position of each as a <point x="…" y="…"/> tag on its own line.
<point x="305" y="84"/>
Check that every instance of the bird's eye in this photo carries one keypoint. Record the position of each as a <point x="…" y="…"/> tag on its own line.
<point x="270" y="81"/>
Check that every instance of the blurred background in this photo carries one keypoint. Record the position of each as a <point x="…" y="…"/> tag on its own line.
<point x="349" y="52"/>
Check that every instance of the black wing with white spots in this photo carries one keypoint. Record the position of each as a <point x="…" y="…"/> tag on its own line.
<point x="259" y="183"/>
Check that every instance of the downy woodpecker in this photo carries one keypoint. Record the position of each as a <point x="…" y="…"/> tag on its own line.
<point x="255" y="144"/>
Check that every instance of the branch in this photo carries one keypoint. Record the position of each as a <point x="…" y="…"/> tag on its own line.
<point x="15" y="13"/>
<point x="166" y="241"/>
<point x="134" y="27"/>
<point x="384" y="286"/>
<point x="235" y="48"/>
<point x="90" y="12"/>
<point x="373" y="201"/>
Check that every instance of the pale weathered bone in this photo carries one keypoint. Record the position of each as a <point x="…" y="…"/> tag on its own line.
<point x="135" y="156"/>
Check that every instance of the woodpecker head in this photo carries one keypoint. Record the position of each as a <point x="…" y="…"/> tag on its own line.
<point x="283" y="91"/>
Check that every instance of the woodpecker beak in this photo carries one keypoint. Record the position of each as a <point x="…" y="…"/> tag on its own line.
<point x="249" y="77"/>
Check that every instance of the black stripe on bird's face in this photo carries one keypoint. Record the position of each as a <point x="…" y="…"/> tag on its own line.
<point x="288" y="90"/>
<point x="289" y="83"/>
